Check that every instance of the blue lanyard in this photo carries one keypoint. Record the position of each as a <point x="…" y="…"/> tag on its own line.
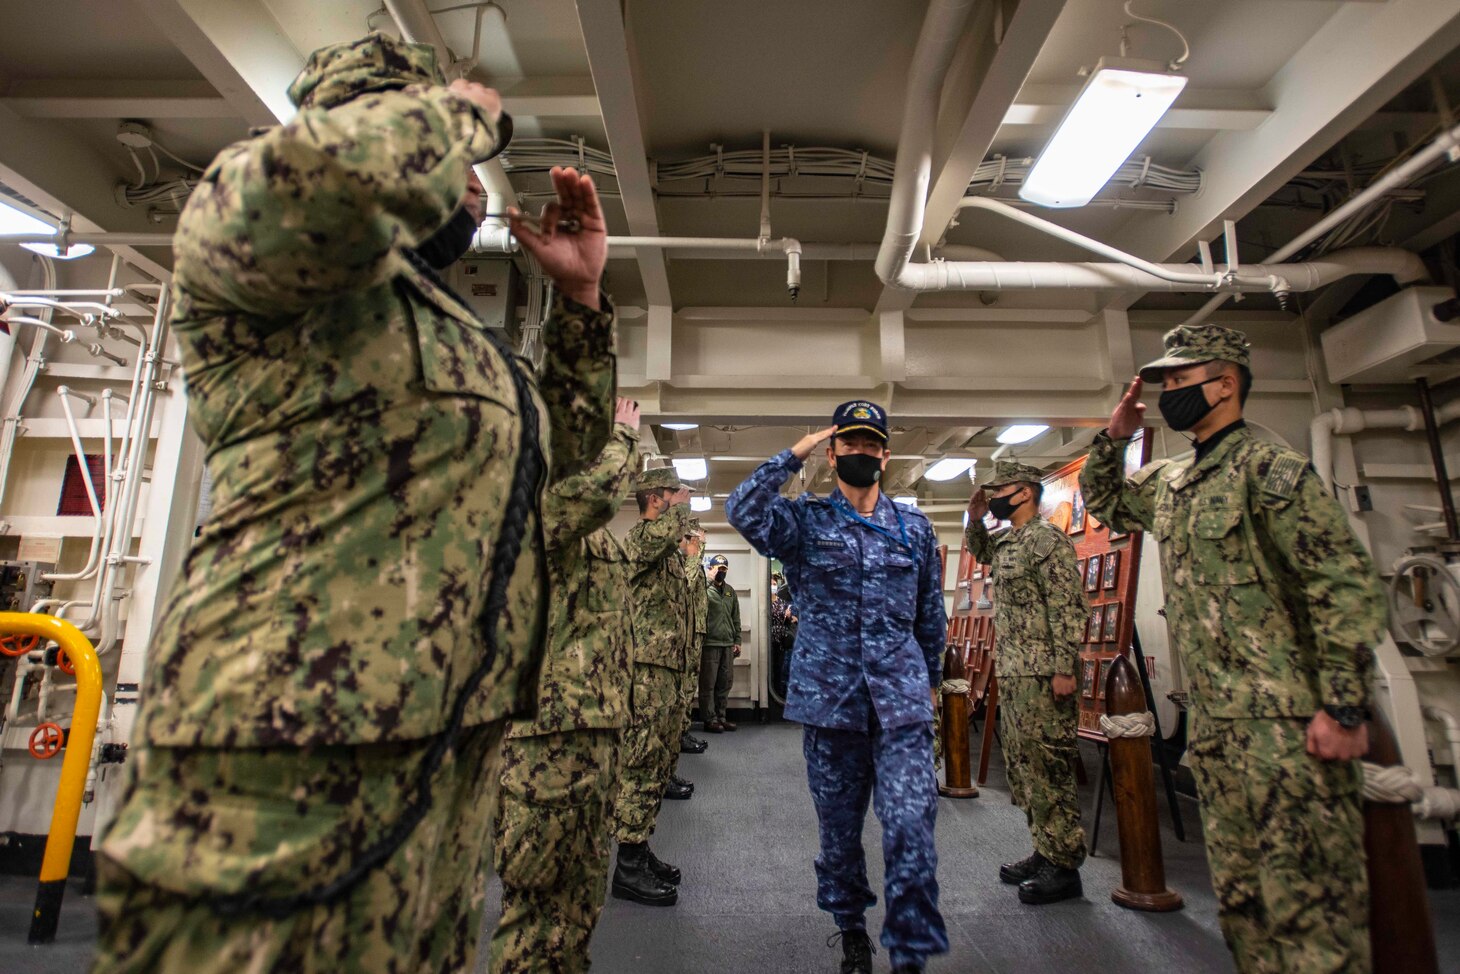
<point x="846" y="511"/>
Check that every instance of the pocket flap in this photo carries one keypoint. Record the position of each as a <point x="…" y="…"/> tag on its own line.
<point x="1217" y="523"/>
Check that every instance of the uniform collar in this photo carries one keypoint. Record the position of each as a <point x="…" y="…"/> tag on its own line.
<point x="1223" y="443"/>
<point x="1209" y="444"/>
<point x="837" y="497"/>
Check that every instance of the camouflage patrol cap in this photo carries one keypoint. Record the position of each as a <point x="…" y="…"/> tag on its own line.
<point x="376" y="62"/>
<point x="1190" y="344"/>
<point x="1013" y="472"/>
<point x="694" y="525"/>
<point x="659" y="477"/>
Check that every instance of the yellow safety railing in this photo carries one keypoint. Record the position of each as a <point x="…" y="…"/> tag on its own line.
<point x="56" y="863"/>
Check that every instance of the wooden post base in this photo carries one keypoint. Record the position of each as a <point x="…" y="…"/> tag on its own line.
<point x="1165" y="901"/>
<point x="947" y="792"/>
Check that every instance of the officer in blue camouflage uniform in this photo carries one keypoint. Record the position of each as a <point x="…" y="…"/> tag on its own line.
<point x="1275" y="608"/>
<point x="868" y="661"/>
<point x="313" y="779"/>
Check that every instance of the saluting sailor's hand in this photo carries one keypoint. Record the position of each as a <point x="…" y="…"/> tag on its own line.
<point x="1130" y="413"/>
<point x="574" y="261"/>
<point x="809" y="442"/>
<point x="626" y="411"/>
<point x="978" y="506"/>
<point x="680" y="496"/>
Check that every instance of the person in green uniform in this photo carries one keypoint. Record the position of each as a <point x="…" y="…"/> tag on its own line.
<point x="313" y="778"/>
<point x="660" y="597"/>
<point x="722" y="646"/>
<point x="1275" y="608"/>
<point x="694" y="569"/>
<point x="560" y="769"/>
<point x="1039" y="614"/>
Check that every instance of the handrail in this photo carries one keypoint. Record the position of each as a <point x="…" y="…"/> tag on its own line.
<point x="56" y="863"/>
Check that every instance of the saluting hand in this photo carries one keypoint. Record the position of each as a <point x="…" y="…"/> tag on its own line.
<point x="1130" y="413"/>
<point x="978" y="506"/>
<point x="626" y="411"/>
<point x="574" y="261"/>
<point x="810" y="441"/>
<point x="680" y="496"/>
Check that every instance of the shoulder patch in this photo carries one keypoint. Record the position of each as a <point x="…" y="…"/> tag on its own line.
<point x="1045" y="543"/>
<point x="1148" y="471"/>
<point x="1283" y="474"/>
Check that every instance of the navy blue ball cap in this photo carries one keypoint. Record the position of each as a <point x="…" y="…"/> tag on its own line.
<point x="860" y="415"/>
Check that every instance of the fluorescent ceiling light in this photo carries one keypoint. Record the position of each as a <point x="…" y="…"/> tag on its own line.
<point x="16" y="221"/>
<point x="1021" y="434"/>
<point x="1119" y="105"/>
<point x="680" y="426"/>
<point x="909" y="501"/>
<point x="691" y="468"/>
<point x="699" y="503"/>
<point x="51" y="250"/>
<point x="947" y="468"/>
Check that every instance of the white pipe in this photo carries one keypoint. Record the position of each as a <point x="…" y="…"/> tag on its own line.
<point x="1349" y="421"/>
<point x="34" y="362"/>
<point x="1452" y="735"/>
<point x="96" y="239"/>
<point x="942" y="28"/>
<point x="1444" y="144"/>
<point x="810" y="251"/>
<point x="765" y="184"/>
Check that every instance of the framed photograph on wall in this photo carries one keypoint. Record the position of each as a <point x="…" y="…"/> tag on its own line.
<point x="1100" y="686"/>
<point x="1088" y="670"/>
<point x="1080" y="567"/>
<point x="1092" y="628"/>
<point x="1111" y="569"/>
<point x="1111" y="631"/>
<point x="1092" y="574"/>
<point x="1077" y="513"/>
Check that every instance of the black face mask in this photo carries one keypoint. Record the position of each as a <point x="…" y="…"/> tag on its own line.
<point x="1183" y="408"/>
<point x="1001" y="508"/>
<point x="449" y="244"/>
<point x="859" y="469"/>
<point x="719" y="576"/>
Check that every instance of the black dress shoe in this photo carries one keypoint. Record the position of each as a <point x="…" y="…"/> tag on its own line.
<point x="682" y="782"/>
<point x="1015" y="873"/>
<point x="662" y="870"/>
<point x="633" y="879"/>
<point x="691" y="745"/>
<point x="1050" y="885"/>
<point x="678" y="791"/>
<point x="727" y="725"/>
<point x="714" y="727"/>
<point x="857" y="951"/>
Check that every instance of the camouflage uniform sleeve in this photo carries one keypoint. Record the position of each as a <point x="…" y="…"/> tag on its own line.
<point x="576" y="506"/>
<point x="1345" y="601"/>
<point x="931" y="626"/>
<point x="650" y="542"/>
<point x="316" y="208"/>
<point x="1064" y="604"/>
<point x="578" y="380"/>
<point x="1125" y="504"/>
<point x="976" y="538"/>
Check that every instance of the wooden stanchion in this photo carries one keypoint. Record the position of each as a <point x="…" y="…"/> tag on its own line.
<point x="1142" y="869"/>
<point x="957" y="763"/>
<point x="1402" y="934"/>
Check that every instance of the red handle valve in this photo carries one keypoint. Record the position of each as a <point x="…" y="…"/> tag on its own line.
<point x="64" y="662"/>
<point x="46" y="740"/>
<point x="15" y="644"/>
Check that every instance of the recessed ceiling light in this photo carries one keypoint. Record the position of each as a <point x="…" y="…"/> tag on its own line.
<point x="699" y="503"/>
<point x="691" y="468"/>
<point x="680" y="426"/>
<point x="1021" y="434"/>
<point x="909" y="501"/>
<point x="947" y="468"/>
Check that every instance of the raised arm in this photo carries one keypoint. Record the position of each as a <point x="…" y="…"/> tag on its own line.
<point x="650" y="542"/>
<point x="976" y="537"/>
<point x="576" y="506"/>
<point x="316" y="208"/>
<point x="1118" y="503"/>
<point x="758" y="511"/>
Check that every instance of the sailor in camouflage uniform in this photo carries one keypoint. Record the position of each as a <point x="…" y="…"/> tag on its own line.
<point x="868" y="662"/>
<point x="693" y="548"/>
<point x="313" y="777"/>
<point x="560" y="769"/>
<point x="662" y="621"/>
<point x="1275" y="608"/>
<point x="1039" y="614"/>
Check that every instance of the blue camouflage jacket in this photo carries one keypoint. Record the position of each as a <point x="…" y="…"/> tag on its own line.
<point x="871" y="606"/>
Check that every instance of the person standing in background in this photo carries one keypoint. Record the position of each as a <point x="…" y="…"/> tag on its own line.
<point x="694" y="570"/>
<point x="722" y="647"/>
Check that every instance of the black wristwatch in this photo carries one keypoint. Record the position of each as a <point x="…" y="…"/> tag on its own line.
<point x="1347" y="717"/>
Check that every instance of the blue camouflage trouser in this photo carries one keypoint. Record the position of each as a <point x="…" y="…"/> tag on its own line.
<point x="894" y="767"/>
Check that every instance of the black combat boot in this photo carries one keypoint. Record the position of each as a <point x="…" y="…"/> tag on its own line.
<point x="907" y="969"/>
<point x="689" y="744"/>
<point x="1015" y="873"/>
<point x="678" y="789"/>
<point x="662" y="870"/>
<point x="857" y="951"/>
<point x="1050" y="885"/>
<point x="633" y="879"/>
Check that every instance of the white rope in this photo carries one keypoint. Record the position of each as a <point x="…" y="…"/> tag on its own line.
<point x="954" y="687"/>
<point x="1128" y="725"/>
<point x="1394" y="785"/>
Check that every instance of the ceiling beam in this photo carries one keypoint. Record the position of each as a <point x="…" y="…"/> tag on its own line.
<point x="611" y="59"/>
<point x="551" y="97"/>
<point x="238" y="47"/>
<point x="996" y="73"/>
<point x="116" y="99"/>
<point x="1200" y="108"/>
<point x="1360" y="59"/>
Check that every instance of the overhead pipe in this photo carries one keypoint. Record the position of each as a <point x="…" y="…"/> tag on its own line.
<point x="1447" y="142"/>
<point x="1348" y="421"/>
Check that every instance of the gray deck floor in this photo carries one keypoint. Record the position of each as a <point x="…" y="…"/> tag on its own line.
<point x="745" y="844"/>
